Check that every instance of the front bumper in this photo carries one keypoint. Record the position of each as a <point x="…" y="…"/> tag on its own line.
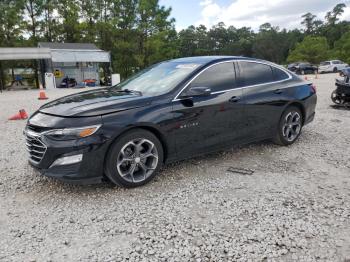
<point x="87" y="171"/>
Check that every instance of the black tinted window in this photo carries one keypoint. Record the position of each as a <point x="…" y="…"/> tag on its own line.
<point x="218" y="78"/>
<point x="254" y="73"/>
<point x="279" y="74"/>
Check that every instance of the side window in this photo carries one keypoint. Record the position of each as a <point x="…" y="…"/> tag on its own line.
<point x="279" y="74"/>
<point x="252" y="73"/>
<point x="218" y="77"/>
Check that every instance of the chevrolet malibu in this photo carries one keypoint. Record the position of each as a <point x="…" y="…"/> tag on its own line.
<point x="171" y="111"/>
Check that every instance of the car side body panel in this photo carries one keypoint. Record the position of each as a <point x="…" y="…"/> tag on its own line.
<point x="186" y="126"/>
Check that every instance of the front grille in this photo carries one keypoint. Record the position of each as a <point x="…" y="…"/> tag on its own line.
<point x="35" y="146"/>
<point x="37" y="129"/>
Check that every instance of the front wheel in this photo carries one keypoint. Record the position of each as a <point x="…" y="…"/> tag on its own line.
<point x="289" y="127"/>
<point x="336" y="98"/>
<point x="134" y="159"/>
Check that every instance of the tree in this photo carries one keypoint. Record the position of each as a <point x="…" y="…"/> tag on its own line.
<point x="11" y="14"/>
<point x="270" y="44"/>
<point x="311" y="49"/>
<point x="152" y="23"/>
<point x="333" y="30"/>
<point x="70" y="28"/>
<point x="308" y="22"/>
<point x="332" y="17"/>
<point x="342" y="48"/>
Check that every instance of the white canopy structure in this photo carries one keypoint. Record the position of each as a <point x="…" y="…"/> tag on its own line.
<point x="75" y="60"/>
<point x="24" y="53"/>
<point x="56" y="55"/>
<point x="98" y="56"/>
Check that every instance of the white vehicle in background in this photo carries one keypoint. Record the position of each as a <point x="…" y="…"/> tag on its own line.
<point x="331" y="66"/>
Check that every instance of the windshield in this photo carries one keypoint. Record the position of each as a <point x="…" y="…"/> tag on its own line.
<point x="158" y="79"/>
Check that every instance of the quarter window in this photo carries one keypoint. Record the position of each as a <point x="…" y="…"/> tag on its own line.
<point x="279" y="74"/>
<point x="218" y="77"/>
<point x="252" y="73"/>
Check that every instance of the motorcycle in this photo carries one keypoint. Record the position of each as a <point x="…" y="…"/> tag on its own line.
<point x="341" y="95"/>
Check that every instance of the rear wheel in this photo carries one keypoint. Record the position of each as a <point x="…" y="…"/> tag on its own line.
<point x="290" y="126"/>
<point x="134" y="159"/>
<point x="335" y="70"/>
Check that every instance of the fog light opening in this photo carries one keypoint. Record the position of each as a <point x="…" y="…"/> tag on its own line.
<point x="67" y="160"/>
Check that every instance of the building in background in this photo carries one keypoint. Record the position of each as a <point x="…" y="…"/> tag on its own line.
<point x="78" y="61"/>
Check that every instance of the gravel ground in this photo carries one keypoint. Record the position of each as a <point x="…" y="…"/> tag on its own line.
<point x="295" y="207"/>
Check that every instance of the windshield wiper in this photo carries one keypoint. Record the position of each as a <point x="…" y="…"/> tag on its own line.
<point x="130" y="91"/>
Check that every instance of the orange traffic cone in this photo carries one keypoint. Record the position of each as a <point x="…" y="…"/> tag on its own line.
<point x="22" y="114"/>
<point x="42" y="96"/>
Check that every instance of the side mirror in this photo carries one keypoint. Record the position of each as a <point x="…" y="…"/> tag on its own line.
<point x="196" y="91"/>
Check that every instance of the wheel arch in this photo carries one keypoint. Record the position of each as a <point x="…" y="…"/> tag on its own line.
<point x="300" y="106"/>
<point x="153" y="130"/>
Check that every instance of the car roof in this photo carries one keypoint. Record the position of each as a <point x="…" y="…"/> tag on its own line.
<point x="209" y="59"/>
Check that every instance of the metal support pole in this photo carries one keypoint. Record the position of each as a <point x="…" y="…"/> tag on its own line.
<point x="2" y="83"/>
<point x="36" y="75"/>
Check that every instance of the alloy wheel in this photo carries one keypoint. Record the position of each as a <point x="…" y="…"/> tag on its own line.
<point x="137" y="160"/>
<point x="292" y="126"/>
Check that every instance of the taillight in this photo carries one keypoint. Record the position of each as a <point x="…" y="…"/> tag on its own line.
<point x="313" y="88"/>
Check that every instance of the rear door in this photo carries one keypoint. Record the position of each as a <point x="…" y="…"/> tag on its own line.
<point x="206" y="122"/>
<point x="326" y="67"/>
<point x="264" y="96"/>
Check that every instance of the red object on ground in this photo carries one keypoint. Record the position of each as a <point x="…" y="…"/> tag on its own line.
<point x="22" y="114"/>
<point x="42" y="96"/>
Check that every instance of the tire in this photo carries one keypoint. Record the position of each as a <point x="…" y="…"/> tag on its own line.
<point x="335" y="70"/>
<point x="336" y="98"/>
<point x="288" y="133"/>
<point x="134" y="159"/>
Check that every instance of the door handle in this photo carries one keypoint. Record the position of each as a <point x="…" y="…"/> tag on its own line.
<point x="234" y="99"/>
<point x="278" y="91"/>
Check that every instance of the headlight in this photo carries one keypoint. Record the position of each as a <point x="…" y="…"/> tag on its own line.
<point x="72" y="133"/>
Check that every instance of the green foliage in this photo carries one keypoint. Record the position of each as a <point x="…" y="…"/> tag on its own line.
<point x="342" y="48"/>
<point x="311" y="49"/>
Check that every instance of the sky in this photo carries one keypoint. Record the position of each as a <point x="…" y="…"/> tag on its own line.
<point x="251" y="13"/>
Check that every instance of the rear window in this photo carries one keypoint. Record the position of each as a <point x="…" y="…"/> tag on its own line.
<point x="252" y="73"/>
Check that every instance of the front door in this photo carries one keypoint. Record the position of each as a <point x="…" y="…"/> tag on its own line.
<point x="209" y="122"/>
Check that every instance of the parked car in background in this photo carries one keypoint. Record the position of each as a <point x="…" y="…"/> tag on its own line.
<point x="168" y="112"/>
<point x="332" y="66"/>
<point x="302" y="68"/>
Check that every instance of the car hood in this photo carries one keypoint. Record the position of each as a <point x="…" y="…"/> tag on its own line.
<point x="94" y="103"/>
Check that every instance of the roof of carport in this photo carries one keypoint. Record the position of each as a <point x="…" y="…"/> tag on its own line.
<point x="24" y="53"/>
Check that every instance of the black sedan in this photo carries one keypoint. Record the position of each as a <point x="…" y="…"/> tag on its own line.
<point x="171" y="111"/>
<point x="303" y="68"/>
